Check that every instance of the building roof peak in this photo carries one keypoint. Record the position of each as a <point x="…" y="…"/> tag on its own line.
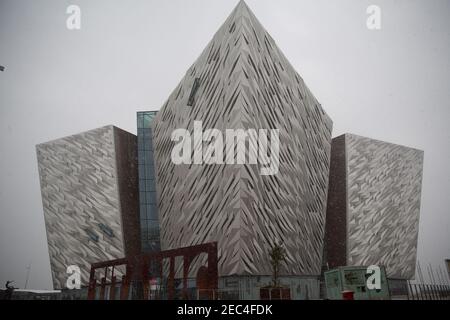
<point x="242" y="4"/>
<point x="241" y="9"/>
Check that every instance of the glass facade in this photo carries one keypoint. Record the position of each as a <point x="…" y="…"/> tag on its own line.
<point x="147" y="184"/>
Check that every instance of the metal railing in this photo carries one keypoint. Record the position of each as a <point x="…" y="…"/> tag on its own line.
<point x="428" y="292"/>
<point x="218" y="294"/>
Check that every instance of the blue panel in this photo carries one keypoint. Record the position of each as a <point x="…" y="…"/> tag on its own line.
<point x="152" y="212"/>
<point x="151" y="196"/>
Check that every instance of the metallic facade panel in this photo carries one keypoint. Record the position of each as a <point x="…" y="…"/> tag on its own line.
<point x="243" y="81"/>
<point x="381" y="185"/>
<point x="384" y="189"/>
<point x="88" y="181"/>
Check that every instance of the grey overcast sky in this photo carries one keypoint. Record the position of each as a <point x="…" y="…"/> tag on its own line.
<point x="391" y="84"/>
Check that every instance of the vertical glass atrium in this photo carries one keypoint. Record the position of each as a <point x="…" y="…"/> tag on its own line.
<point x="147" y="184"/>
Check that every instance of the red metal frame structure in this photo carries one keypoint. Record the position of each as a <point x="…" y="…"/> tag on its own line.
<point x="137" y="270"/>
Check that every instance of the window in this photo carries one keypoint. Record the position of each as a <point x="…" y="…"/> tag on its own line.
<point x="92" y="235"/>
<point x="195" y="87"/>
<point x="106" y="230"/>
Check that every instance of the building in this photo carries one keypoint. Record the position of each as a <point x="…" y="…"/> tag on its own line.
<point x="147" y="185"/>
<point x="89" y="189"/>
<point x="243" y="81"/>
<point x="65" y="294"/>
<point x="373" y="205"/>
<point x="447" y="264"/>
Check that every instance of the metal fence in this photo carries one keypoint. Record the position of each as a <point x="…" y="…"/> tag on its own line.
<point x="428" y="292"/>
<point x="217" y="294"/>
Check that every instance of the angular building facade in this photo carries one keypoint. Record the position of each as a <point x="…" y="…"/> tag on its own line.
<point x="243" y="81"/>
<point x="373" y="205"/>
<point x="89" y="189"/>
